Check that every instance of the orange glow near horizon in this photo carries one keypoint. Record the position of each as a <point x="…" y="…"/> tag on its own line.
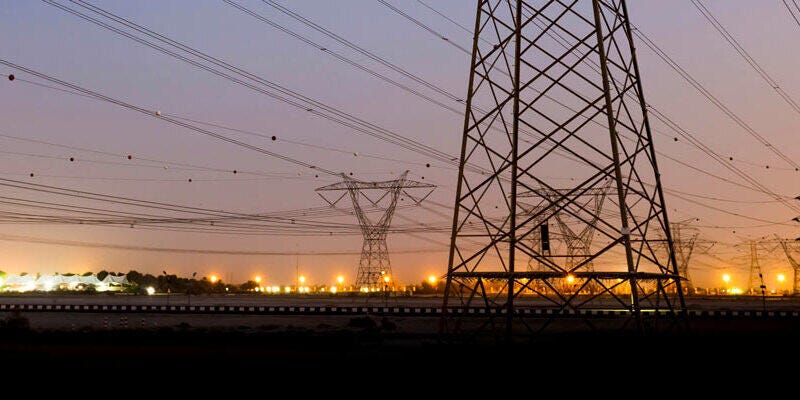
<point x="213" y="279"/>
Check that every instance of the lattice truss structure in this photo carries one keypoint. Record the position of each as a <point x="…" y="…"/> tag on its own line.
<point x="374" y="268"/>
<point x="555" y="112"/>
<point x="686" y="241"/>
<point x="792" y="251"/>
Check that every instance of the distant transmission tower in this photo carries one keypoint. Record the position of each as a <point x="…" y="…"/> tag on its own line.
<point x="686" y="240"/>
<point x="579" y="240"/>
<point x="755" y="269"/>
<point x="539" y="238"/>
<point x="374" y="265"/>
<point x="554" y="93"/>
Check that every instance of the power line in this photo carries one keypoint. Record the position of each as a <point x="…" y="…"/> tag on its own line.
<point x="711" y="98"/>
<point x="670" y="124"/>
<point x="791" y="12"/>
<point x="745" y="55"/>
<point x="158" y="115"/>
<point x="73" y="243"/>
<point x="339" y="56"/>
<point x="272" y="90"/>
<point x="365" y="52"/>
<point x="216" y="125"/>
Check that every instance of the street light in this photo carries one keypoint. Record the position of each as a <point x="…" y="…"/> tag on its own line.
<point x="432" y="280"/>
<point x="781" y="278"/>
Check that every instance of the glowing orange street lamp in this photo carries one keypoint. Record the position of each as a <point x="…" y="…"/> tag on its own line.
<point x="214" y="279"/>
<point x="432" y="279"/>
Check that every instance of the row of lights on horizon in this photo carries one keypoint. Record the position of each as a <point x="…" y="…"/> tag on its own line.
<point x="301" y="280"/>
<point x="727" y="278"/>
<point x="781" y="278"/>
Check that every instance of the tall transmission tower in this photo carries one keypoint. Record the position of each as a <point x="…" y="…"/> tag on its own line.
<point x="374" y="265"/>
<point x="787" y="248"/>
<point x="555" y="93"/>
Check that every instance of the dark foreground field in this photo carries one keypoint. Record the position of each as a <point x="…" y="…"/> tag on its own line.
<point x="731" y="337"/>
<point x="373" y="345"/>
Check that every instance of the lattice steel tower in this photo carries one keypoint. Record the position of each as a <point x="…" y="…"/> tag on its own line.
<point x="686" y="241"/>
<point x="755" y="281"/>
<point x="555" y="94"/>
<point x="787" y="248"/>
<point x="374" y="265"/>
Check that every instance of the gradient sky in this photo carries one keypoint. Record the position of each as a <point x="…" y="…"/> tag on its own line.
<point x="43" y="38"/>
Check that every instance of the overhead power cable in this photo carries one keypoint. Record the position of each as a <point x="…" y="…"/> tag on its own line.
<point x="670" y="123"/>
<point x="74" y="243"/>
<point x="773" y="84"/>
<point x="255" y="82"/>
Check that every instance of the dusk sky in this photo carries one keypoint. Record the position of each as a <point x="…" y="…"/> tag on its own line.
<point x="42" y="128"/>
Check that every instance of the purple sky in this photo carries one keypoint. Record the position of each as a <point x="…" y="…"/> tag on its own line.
<point x="43" y="38"/>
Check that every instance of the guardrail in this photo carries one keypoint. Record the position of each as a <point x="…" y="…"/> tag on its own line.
<point x="367" y="310"/>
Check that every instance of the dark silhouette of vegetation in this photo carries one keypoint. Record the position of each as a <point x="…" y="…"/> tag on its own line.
<point x="430" y="288"/>
<point x="102" y="275"/>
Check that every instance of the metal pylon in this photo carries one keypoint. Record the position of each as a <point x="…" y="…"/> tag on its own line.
<point x="579" y="240"/>
<point x="555" y="94"/>
<point x="374" y="268"/>
<point x="686" y="241"/>
<point x="795" y="266"/>
<point x="756" y="280"/>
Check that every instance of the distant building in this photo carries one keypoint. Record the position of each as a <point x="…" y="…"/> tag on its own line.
<point x="46" y="283"/>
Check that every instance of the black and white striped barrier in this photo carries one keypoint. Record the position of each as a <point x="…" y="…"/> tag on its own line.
<point x="366" y="310"/>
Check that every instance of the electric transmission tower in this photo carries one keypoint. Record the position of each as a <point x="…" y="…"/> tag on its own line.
<point x="540" y="237"/>
<point x="555" y="93"/>
<point x="755" y="269"/>
<point x="787" y="248"/>
<point x="374" y="266"/>
<point x="686" y="239"/>
<point x="579" y="240"/>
